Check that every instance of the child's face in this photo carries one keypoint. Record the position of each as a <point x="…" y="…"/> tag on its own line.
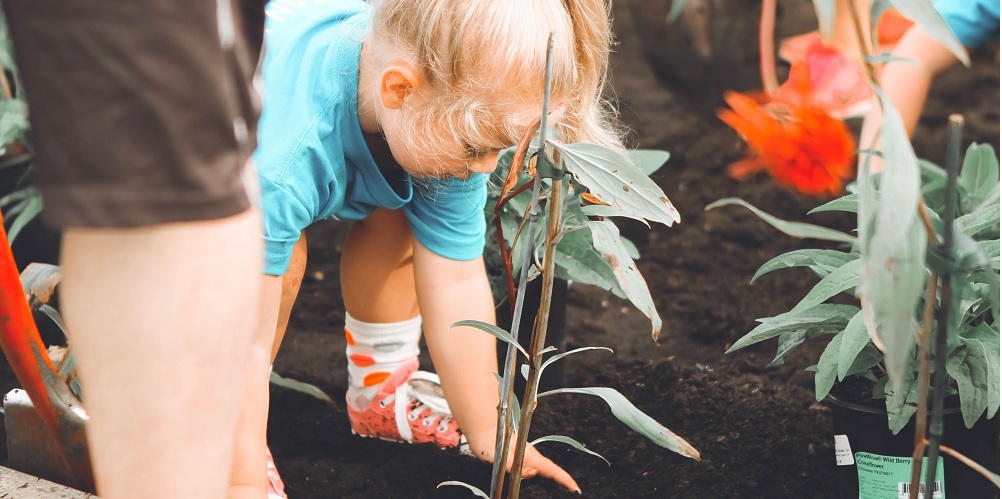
<point x="453" y="156"/>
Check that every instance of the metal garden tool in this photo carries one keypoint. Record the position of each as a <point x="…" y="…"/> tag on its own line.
<point x="44" y="422"/>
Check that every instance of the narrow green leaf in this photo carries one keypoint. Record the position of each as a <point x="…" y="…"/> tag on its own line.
<point x="849" y="203"/>
<point x="639" y="422"/>
<point x="675" y="11"/>
<point x="824" y="379"/>
<point x="569" y="441"/>
<point x="991" y="250"/>
<point x="931" y="23"/>
<point x="565" y="354"/>
<point x="825" y="316"/>
<point x="605" y="237"/>
<point x="495" y="331"/>
<point x="299" y="386"/>
<point x="968" y="365"/>
<point x="614" y="180"/>
<point x="476" y="491"/>
<point x="854" y="339"/>
<point x="842" y="279"/>
<point x="53" y="314"/>
<point x="821" y="262"/>
<point x="31" y="209"/>
<point x="825" y="10"/>
<point x="790" y="341"/>
<point x="795" y="229"/>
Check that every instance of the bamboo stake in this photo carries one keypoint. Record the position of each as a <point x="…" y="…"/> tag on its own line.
<point x="953" y="139"/>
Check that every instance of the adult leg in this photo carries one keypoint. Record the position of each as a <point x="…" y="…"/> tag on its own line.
<point x="249" y="478"/>
<point x="158" y="318"/>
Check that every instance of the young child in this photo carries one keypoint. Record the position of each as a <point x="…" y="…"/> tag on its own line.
<point x="392" y="116"/>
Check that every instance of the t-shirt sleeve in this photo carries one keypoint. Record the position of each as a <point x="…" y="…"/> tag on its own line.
<point x="447" y="215"/>
<point x="285" y="216"/>
<point x="972" y="21"/>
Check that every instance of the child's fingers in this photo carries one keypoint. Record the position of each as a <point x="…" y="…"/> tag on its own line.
<point x="548" y="469"/>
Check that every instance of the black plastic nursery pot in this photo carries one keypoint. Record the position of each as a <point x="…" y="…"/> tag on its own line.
<point x="553" y="376"/>
<point x="873" y="463"/>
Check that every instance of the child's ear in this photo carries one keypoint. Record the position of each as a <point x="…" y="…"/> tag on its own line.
<point x="396" y="83"/>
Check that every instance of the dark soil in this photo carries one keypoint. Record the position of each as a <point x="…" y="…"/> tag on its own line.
<point x="760" y="432"/>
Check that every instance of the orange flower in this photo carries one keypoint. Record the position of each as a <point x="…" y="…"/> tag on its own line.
<point x="799" y="144"/>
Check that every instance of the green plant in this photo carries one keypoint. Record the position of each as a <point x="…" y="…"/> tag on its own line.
<point x="615" y="187"/>
<point x="19" y="198"/>
<point x="852" y="351"/>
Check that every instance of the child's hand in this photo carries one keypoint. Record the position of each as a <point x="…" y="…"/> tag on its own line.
<point x="534" y="464"/>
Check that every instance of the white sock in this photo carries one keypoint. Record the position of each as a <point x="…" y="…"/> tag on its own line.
<point x="374" y="352"/>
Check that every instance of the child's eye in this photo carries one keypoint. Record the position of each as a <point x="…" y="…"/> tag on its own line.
<point x="473" y="151"/>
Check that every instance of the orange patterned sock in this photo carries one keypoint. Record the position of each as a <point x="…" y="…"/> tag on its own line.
<point x="374" y="352"/>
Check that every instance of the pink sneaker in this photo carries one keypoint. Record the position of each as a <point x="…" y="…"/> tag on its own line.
<point x="423" y="417"/>
<point x="276" y="488"/>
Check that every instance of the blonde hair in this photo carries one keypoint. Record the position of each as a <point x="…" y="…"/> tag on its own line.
<point x="471" y="51"/>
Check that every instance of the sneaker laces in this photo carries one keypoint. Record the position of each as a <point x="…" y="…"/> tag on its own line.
<point x="423" y="390"/>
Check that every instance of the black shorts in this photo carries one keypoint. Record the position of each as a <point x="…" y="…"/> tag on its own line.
<point x="143" y="111"/>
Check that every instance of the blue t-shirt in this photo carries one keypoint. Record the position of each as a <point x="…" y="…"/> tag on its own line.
<point x="312" y="157"/>
<point x="972" y="21"/>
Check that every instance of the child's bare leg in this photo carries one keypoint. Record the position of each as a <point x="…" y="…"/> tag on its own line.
<point x="159" y="319"/>
<point x="377" y="269"/>
<point x="844" y="35"/>
<point x="248" y="478"/>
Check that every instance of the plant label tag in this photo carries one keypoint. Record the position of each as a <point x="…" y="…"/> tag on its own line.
<point x="890" y="476"/>
<point x="843" y="453"/>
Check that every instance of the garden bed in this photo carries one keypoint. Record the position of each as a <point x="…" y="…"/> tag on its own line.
<point x="759" y="430"/>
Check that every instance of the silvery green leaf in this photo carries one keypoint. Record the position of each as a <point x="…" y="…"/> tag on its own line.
<point x="13" y="120"/>
<point x="605" y="237"/>
<point x="301" y="387"/>
<point x="930" y="22"/>
<point x="892" y="245"/>
<point x="648" y="160"/>
<point x="980" y="173"/>
<point x="578" y="261"/>
<point x="826" y="316"/>
<point x="600" y="210"/>
<point x="54" y="315"/>
<point x="26" y="213"/>
<point x="854" y="339"/>
<point x="979" y="220"/>
<point x="821" y="262"/>
<point x="614" y="180"/>
<point x="990" y="249"/>
<point x="795" y="229"/>
<point x="901" y="405"/>
<point x="569" y="441"/>
<point x="639" y="422"/>
<point x="989" y="339"/>
<point x="493" y="330"/>
<point x="849" y="203"/>
<point x="968" y="365"/>
<point x="866" y="360"/>
<point x="476" y="491"/>
<point x="824" y="379"/>
<point x="842" y="279"/>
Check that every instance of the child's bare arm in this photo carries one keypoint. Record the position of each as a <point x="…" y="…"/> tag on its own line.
<point x="465" y="358"/>
<point x="906" y="83"/>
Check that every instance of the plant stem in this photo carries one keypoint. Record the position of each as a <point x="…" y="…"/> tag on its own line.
<point x="953" y="139"/>
<point x="767" y="47"/>
<point x="861" y="38"/>
<point x="921" y="414"/>
<point x="538" y="336"/>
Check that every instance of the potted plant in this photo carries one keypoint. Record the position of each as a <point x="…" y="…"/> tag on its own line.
<point x="852" y="373"/>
